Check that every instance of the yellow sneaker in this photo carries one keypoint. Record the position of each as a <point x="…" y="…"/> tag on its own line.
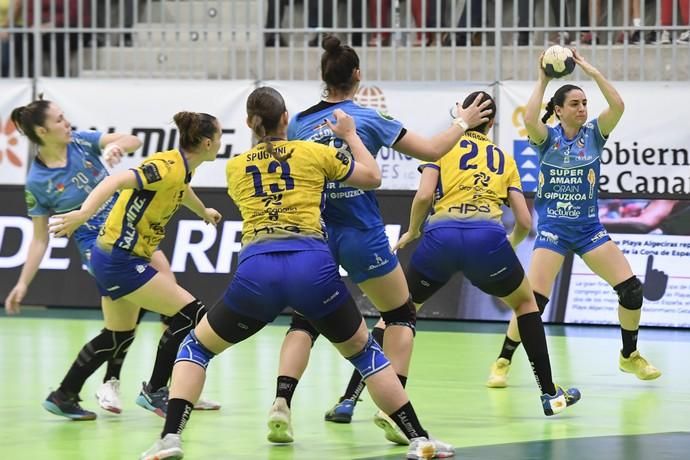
<point x="498" y="378"/>
<point x="639" y="366"/>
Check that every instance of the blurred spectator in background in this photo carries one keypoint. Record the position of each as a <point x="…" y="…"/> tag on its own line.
<point x="117" y="13"/>
<point x="664" y="37"/>
<point x="58" y="46"/>
<point x="557" y="23"/>
<point x="10" y="16"/>
<point x="473" y="9"/>
<point x="274" y="21"/>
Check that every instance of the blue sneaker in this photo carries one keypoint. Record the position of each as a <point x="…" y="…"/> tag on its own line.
<point x="341" y="412"/>
<point x="155" y="401"/>
<point x="59" y="404"/>
<point x="563" y="398"/>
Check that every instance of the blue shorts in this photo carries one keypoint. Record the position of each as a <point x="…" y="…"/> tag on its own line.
<point x="308" y="281"/>
<point x="119" y="273"/>
<point x="562" y="238"/>
<point x="365" y="254"/>
<point x="85" y="243"/>
<point x="478" y="249"/>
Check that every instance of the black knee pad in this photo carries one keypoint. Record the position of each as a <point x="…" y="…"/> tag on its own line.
<point x="232" y="326"/>
<point x="184" y="321"/>
<point x="630" y="293"/>
<point x="421" y="287"/>
<point x="542" y="300"/>
<point x="340" y="325"/>
<point x="300" y="323"/>
<point x="108" y="344"/>
<point x="404" y="315"/>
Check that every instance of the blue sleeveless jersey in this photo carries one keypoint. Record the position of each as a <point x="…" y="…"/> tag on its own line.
<point x="57" y="190"/>
<point x="569" y="176"/>
<point x="344" y="205"/>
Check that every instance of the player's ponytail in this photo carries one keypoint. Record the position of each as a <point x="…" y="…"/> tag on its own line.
<point x="28" y="117"/>
<point x="194" y="127"/>
<point x="338" y="65"/>
<point x="265" y="108"/>
<point x="558" y="99"/>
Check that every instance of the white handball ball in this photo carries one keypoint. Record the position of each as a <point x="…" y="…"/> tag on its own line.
<point x="558" y="62"/>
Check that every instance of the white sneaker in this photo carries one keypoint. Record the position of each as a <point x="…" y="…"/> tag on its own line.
<point x="108" y="396"/>
<point x="684" y="38"/>
<point x="423" y="448"/>
<point x="279" y="423"/>
<point x="169" y="447"/>
<point x="206" y="404"/>
<point x="663" y="38"/>
<point x="392" y="431"/>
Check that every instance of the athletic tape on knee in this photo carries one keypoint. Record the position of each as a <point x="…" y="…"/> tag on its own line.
<point x="370" y="360"/>
<point x="193" y="351"/>
<point x="404" y="315"/>
<point x="542" y="300"/>
<point x="630" y="293"/>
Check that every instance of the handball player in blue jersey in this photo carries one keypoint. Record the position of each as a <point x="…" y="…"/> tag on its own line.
<point x="67" y="167"/>
<point x="355" y="228"/>
<point x="465" y="191"/>
<point x="566" y="204"/>
<point x="285" y="261"/>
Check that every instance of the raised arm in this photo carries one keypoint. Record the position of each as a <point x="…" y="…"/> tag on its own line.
<point x="433" y="148"/>
<point x="421" y="203"/>
<point x="115" y="145"/>
<point x="66" y="224"/>
<point x="192" y="202"/>
<point x="536" y="129"/>
<point x="37" y="249"/>
<point x="609" y="117"/>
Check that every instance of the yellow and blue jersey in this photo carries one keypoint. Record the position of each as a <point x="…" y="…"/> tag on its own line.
<point x="136" y="223"/>
<point x="474" y="180"/>
<point x="281" y="201"/>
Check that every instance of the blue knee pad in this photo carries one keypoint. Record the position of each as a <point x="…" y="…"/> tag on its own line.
<point x="192" y="350"/>
<point x="370" y="360"/>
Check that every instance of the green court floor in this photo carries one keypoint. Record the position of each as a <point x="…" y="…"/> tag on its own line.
<point x="619" y="417"/>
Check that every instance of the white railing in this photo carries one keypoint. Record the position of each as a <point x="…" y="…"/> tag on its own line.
<point x="410" y="40"/>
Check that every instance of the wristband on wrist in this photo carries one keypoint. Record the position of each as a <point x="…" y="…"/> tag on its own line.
<point x="459" y="121"/>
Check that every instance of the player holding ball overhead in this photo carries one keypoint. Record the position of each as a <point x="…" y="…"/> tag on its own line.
<point x="570" y="153"/>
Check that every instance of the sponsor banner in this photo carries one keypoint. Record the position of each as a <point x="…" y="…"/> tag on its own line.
<point x="14" y="148"/>
<point x="146" y="108"/>
<point x="203" y="257"/>
<point x="652" y="234"/>
<point x="426" y="113"/>
<point x="647" y="153"/>
<point x="659" y="261"/>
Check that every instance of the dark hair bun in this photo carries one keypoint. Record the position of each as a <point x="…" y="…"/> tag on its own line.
<point x="331" y="44"/>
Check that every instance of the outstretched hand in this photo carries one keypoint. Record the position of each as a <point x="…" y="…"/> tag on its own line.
<point x="112" y="154"/>
<point x="406" y="238"/>
<point x="344" y="125"/>
<point x="66" y="224"/>
<point x="476" y="113"/>
<point x="586" y="67"/>
<point x="211" y="216"/>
